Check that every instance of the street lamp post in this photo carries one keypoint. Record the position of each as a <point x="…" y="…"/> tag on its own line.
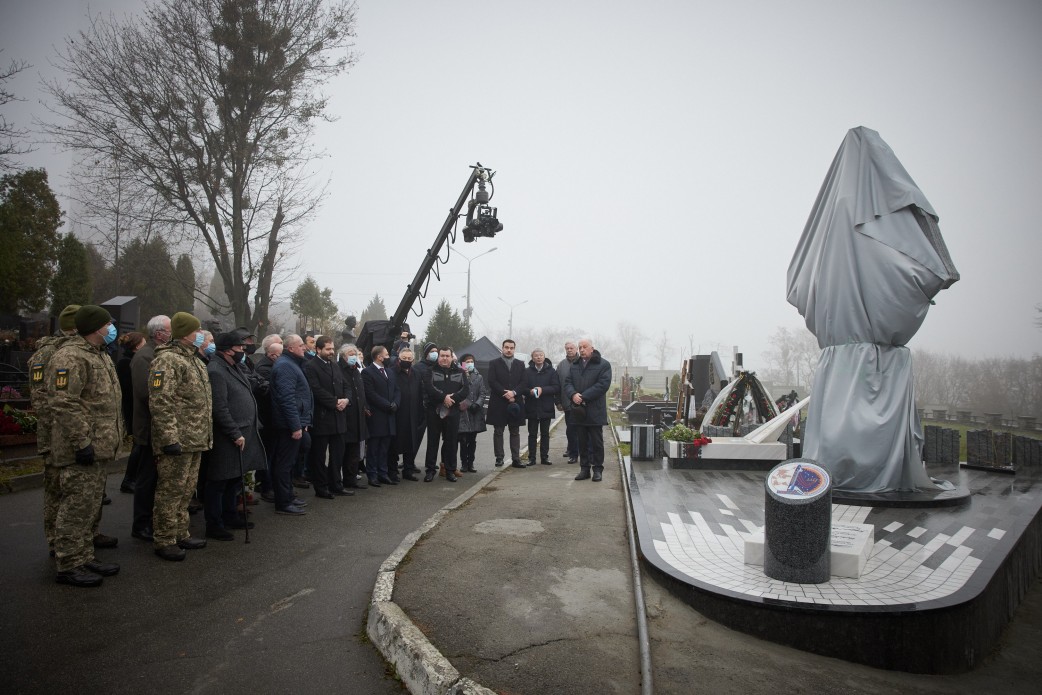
<point x="468" y="311"/>
<point x="510" y="325"/>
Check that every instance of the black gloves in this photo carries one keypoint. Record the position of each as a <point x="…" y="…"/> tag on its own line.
<point x="85" y="456"/>
<point x="172" y="449"/>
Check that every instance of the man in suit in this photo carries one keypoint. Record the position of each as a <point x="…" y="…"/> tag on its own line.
<point x="506" y="384"/>
<point x="383" y="398"/>
<point x="330" y="420"/>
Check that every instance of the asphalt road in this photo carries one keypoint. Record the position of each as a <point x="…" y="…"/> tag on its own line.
<point x="283" y="614"/>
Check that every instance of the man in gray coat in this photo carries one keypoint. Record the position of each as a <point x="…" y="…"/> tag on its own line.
<point x="586" y="388"/>
<point x="571" y="433"/>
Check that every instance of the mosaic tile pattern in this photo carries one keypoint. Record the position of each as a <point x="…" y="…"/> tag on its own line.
<point x="695" y="522"/>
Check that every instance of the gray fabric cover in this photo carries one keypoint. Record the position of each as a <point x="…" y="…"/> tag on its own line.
<point x="869" y="262"/>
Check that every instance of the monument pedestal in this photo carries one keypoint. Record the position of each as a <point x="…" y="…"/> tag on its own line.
<point x="798" y="523"/>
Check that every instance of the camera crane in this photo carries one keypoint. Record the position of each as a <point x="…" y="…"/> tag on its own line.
<point x="482" y="221"/>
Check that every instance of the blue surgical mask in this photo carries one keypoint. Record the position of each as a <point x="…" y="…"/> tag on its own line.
<point x="470" y="366"/>
<point x="310" y="352"/>
<point x="432" y="355"/>
<point x="210" y="349"/>
<point x="352" y="361"/>
<point x="111" y="335"/>
<point x="199" y="340"/>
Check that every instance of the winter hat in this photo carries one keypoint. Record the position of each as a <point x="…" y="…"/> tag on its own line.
<point x="182" y="323"/>
<point x="67" y="319"/>
<point x="89" y="318"/>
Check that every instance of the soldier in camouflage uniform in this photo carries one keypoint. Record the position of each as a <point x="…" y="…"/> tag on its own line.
<point x="45" y="349"/>
<point x="83" y="395"/>
<point x="181" y="404"/>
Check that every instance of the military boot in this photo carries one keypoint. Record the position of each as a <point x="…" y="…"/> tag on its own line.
<point x="78" y="576"/>
<point x="584" y="474"/>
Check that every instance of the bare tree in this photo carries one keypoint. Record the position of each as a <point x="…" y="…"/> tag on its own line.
<point x="212" y="104"/>
<point x="630" y="342"/>
<point x="10" y="135"/>
<point x="663" y="350"/>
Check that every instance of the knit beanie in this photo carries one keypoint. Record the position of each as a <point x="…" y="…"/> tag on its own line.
<point x="90" y="318"/>
<point x="182" y="323"/>
<point x="67" y="319"/>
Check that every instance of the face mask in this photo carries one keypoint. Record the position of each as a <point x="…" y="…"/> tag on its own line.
<point x="310" y="352"/>
<point x="199" y="340"/>
<point x="210" y="349"/>
<point x="240" y="357"/>
<point x="470" y="366"/>
<point x="432" y="355"/>
<point x="352" y="361"/>
<point x="111" y="335"/>
<point x="249" y="349"/>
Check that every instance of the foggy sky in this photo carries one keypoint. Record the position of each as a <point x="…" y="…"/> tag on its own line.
<point x="656" y="162"/>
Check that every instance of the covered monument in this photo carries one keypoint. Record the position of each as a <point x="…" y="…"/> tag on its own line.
<point x="869" y="262"/>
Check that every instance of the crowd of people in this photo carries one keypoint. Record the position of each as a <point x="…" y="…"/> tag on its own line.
<point x="207" y="413"/>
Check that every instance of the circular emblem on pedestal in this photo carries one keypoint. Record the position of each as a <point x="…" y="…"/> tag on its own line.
<point x="798" y="479"/>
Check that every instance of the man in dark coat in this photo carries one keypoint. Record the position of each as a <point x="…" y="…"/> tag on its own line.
<point x="147" y="475"/>
<point x="291" y="411"/>
<point x="586" y="388"/>
<point x="330" y="420"/>
<point x="410" y="420"/>
<point x="541" y="389"/>
<point x="356" y="432"/>
<point x="571" y="356"/>
<point x="272" y="347"/>
<point x="236" y="439"/>
<point x="446" y="387"/>
<point x="384" y="398"/>
<point x="506" y="388"/>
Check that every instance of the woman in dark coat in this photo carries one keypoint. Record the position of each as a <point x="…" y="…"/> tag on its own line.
<point x="472" y="414"/>
<point x="541" y="389"/>
<point x="236" y="432"/>
<point x="356" y="406"/>
<point x="131" y="343"/>
<point x="411" y="420"/>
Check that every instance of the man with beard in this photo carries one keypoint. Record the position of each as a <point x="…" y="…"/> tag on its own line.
<point x="330" y="420"/>
<point x="446" y="387"/>
<point x="506" y="388"/>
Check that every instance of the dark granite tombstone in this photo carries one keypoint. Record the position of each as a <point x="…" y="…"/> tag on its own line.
<point x="642" y="442"/>
<point x="798" y="522"/>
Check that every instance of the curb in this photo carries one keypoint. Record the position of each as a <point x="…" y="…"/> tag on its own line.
<point x="423" y="669"/>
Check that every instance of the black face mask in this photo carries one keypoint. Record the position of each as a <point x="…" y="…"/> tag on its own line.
<point x="249" y="349"/>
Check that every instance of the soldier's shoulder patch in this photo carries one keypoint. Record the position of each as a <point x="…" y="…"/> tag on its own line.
<point x="61" y="379"/>
<point x="155" y="380"/>
<point x="36" y="373"/>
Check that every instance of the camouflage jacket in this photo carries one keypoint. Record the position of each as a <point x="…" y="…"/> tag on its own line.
<point x="83" y="395"/>
<point x="45" y="349"/>
<point x="180" y="400"/>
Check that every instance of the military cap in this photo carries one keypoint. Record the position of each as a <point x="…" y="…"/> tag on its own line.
<point x="226" y="341"/>
<point x="182" y="323"/>
<point x="89" y="318"/>
<point x="67" y="319"/>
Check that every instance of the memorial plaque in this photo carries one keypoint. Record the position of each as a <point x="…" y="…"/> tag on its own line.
<point x="797" y="522"/>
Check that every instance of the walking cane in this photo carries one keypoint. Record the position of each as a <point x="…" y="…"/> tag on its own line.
<point x="242" y="496"/>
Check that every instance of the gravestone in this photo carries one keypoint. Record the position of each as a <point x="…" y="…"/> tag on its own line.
<point x="797" y="522"/>
<point x="989" y="449"/>
<point x="642" y="442"/>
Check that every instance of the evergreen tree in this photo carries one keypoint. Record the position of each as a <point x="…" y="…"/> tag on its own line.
<point x="29" y="221"/>
<point x="103" y="283"/>
<point x="185" y="272"/>
<point x="447" y="327"/>
<point x="308" y="301"/>
<point x="374" y="311"/>
<point x="71" y="283"/>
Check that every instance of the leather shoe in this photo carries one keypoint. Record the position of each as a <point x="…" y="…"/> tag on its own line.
<point x="127" y="487"/>
<point x="171" y="552"/>
<point x="238" y="523"/>
<point x="325" y="494"/>
<point x="105" y="569"/>
<point x="343" y="493"/>
<point x="219" y="534"/>
<point x="387" y="481"/>
<point x="106" y="500"/>
<point x="409" y="476"/>
<point x="373" y="482"/>
<point x="596" y="476"/>
<point x="357" y="485"/>
<point x="518" y="464"/>
<point x="297" y="502"/>
<point x="450" y="476"/>
<point x="78" y="576"/>
<point x="301" y="483"/>
<point x="583" y="475"/>
<point x="291" y="510"/>
<point x="428" y="476"/>
<point x="103" y="541"/>
<point x="573" y="459"/>
<point x="142" y="534"/>
<point x="499" y="462"/>
<point x="546" y="462"/>
<point x="191" y="544"/>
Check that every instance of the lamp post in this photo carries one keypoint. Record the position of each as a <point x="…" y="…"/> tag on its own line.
<point x="468" y="311"/>
<point x="510" y="325"/>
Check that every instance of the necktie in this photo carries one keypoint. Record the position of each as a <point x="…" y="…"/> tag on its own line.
<point x="383" y="373"/>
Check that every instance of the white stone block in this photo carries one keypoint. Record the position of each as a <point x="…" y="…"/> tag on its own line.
<point x="851" y="544"/>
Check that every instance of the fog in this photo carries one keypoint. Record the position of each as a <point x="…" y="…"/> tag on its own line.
<point x="656" y="162"/>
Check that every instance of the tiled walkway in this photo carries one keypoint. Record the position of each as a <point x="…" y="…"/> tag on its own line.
<point x="692" y="524"/>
